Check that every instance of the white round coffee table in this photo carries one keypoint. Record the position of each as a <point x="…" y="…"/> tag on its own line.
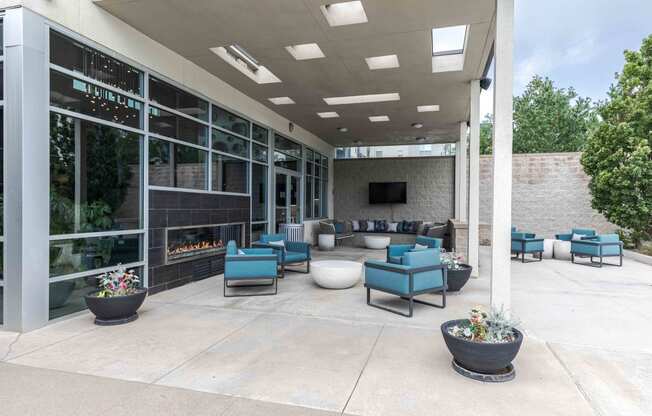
<point x="326" y="242"/>
<point x="548" y="247"/>
<point x="336" y="274"/>
<point x="376" y="242"/>
<point x="562" y="250"/>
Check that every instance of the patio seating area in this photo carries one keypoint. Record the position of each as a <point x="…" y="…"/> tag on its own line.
<point x="315" y="351"/>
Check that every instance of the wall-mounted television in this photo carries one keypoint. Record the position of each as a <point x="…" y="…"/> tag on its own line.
<point x="387" y="192"/>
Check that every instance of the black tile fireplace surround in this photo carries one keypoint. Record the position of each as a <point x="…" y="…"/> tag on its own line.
<point x="173" y="210"/>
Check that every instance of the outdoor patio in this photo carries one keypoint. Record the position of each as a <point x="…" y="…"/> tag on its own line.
<point x="312" y="351"/>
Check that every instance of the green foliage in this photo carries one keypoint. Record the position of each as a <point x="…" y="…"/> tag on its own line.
<point x="618" y="155"/>
<point x="547" y="119"/>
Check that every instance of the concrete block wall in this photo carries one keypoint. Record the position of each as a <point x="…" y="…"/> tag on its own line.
<point x="430" y="188"/>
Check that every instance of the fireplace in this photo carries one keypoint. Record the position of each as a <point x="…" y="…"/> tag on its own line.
<point x="193" y="242"/>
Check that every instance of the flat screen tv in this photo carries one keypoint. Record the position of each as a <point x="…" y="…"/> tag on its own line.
<point x="388" y="192"/>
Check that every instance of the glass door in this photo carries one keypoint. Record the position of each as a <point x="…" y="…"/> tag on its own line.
<point x="287" y="199"/>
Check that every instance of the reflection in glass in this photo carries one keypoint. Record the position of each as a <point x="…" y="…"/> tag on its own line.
<point x="308" y="196"/>
<point x="92" y="63"/>
<point x="2" y="305"/>
<point x="171" y="125"/>
<point x="230" y="121"/>
<point x="259" y="134"/>
<point x="229" y="174"/>
<point x="83" y="254"/>
<point x="175" y="165"/>
<point x="95" y="179"/>
<point x="2" y="181"/>
<point x="287" y="146"/>
<point x="259" y="153"/>
<point x="324" y="199"/>
<point x="258" y="192"/>
<point x="177" y="99"/>
<point x="83" y="97"/>
<point x="257" y="230"/>
<point x="317" y="203"/>
<point x="287" y="162"/>
<point x="229" y="143"/>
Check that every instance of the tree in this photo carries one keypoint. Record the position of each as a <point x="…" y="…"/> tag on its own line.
<point x="546" y="119"/>
<point x="618" y="155"/>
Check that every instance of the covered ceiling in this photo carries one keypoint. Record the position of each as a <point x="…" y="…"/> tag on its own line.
<point x="265" y="27"/>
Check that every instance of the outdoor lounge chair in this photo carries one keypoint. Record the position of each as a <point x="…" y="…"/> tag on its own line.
<point x="250" y="264"/>
<point x="606" y="245"/>
<point x="288" y="252"/>
<point x="341" y="230"/>
<point x="395" y="252"/>
<point x="420" y="273"/>
<point x="586" y="233"/>
<point x="523" y="243"/>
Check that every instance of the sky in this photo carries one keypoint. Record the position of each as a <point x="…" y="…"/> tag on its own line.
<point x="576" y="43"/>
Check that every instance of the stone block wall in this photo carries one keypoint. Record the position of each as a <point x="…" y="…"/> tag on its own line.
<point x="430" y="188"/>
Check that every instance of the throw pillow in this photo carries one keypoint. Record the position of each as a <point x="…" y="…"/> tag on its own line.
<point x="577" y="237"/>
<point x="392" y="227"/>
<point x="363" y="225"/>
<point x="241" y="253"/>
<point x="355" y="225"/>
<point x="419" y="247"/>
<point x="380" y="226"/>
<point x="339" y="227"/>
<point x="370" y="226"/>
<point x="277" y="244"/>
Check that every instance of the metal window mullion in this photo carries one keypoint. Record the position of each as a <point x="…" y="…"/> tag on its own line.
<point x="144" y="183"/>
<point x="201" y="191"/>
<point x="156" y="104"/>
<point x="209" y="174"/>
<point x="178" y="141"/>
<point x="223" y="130"/>
<point x="81" y="116"/>
<point x="96" y="234"/>
<point x="219" y="152"/>
<point x="94" y="272"/>
<point x="96" y="82"/>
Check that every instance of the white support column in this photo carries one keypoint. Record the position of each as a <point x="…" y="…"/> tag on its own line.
<point x="26" y="196"/>
<point x="474" y="179"/>
<point x="502" y="157"/>
<point x="458" y="178"/>
<point x="463" y="173"/>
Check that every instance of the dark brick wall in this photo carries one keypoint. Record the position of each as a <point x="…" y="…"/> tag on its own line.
<point x="175" y="209"/>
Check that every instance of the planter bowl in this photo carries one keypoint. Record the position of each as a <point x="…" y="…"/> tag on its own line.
<point x="456" y="279"/>
<point x="478" y="357"/>
<point x="115" y="310"/>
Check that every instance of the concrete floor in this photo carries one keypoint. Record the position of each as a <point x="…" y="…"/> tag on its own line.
<point x="311" y="351"/>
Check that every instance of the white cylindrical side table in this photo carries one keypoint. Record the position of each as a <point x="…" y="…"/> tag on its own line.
<point x="326" y="242"/>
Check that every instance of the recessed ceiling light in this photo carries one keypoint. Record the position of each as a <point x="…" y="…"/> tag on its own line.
<point x="281" y="100"/>
<point x="448" y="40"/>
<point x="376" y="119"/>
<point x="417" y="125"/>
<point x="382" y="62"/>
<point x="344" y="13"/>
<point x="361" y="99"/>
<point x="342" y="129"/>
<point x="427" y="108"/>
<point x="328" y="114"/>
<point x="246" y="64"/>
<point x="305" y="51"/>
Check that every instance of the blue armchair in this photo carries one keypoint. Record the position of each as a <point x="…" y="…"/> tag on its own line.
<point x="523" y="243"/>
<point x="250" y="264"/>
<point x="421" y="272"/>
<point x="606" y="245"/>
<point x="395" y="252"/>
<point x="586" y="233"/>
<point x="289" y="253"/>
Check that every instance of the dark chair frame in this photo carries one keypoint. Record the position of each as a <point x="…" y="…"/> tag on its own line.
<point x="599" y="264"/>
<point x="274" y="279"/>
<point x="282" y="265"/>
<point x="522" y="252"/>
<point x="412" y="293"/>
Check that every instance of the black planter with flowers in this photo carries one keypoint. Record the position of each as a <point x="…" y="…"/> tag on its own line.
<point x="118" y="299"/>
<point x="458" y="273"/>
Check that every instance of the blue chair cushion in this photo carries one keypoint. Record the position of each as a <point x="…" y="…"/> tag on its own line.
<point x="266" y="238"/>
<point x="294" y="257"/>
<point x="397" y="282"/>
<point x="396" y="259"/>
<point x="339" y="227"/>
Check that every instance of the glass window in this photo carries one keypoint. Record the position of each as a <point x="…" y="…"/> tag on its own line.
<point x="84" y="254"/>
<point x="258" y="192"/>
<point x="82" y="97"/>
<point x="317" y="203"/>
<point x="259" y="134"/>
<point x="2" y="84"/>
<point x="171" y="125"/>
<point x="324" y="199"/>
<point x="95" y="179"/>
<point x="177" y="99"/>
<point x="259" y="153"/>
<point x="287" y="146"/>
<point x="230" y="174"/>
<point x="308" y="196"/>
<point x="228" y="143"/>
<point x="287" y="162"/>
<point x="175" y="165"/>
<point x="92" y="63"/>
<point x="257" y="230"/>
<point x="2" y="181"/>
<point x="230" y="121"/>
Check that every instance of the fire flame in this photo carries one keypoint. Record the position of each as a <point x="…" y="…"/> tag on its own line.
<point x="188" y="247"/>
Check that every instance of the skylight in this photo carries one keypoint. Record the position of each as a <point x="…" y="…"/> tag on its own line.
<point x="344" y="13"/>
<point x="448" y="40"/>
<point x="328" y="114"/>
<point x="281" y="100"/>
<point x="378" y="119"/>
<point x="361" y="99"/>
<point x="238" y="58"/>
<point x="427" y="108"/>
<point x="305" y="51"/>
<point x="382" y="62"/>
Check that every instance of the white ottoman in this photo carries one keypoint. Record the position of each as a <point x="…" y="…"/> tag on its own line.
<point x="376" y="242"/>
<point x="562" y="250"/>
<point x="326" y="242"/>
<point x="336" y="274"/>
<point x="548" y="246"/>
